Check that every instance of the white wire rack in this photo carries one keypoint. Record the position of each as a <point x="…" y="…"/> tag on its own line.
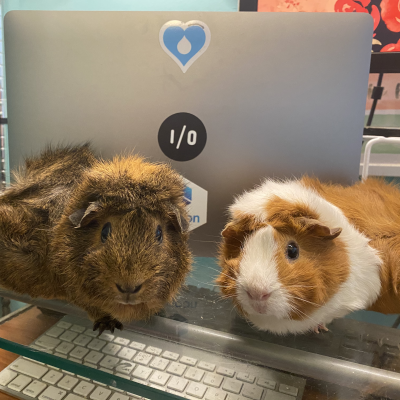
<point x="368" y="147"/>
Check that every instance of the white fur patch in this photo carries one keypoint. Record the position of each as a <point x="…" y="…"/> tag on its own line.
<point x="258" y="273"/>
<point x="359" y="291"/>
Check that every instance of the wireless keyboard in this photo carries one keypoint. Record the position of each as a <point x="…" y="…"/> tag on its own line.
<point x="175" y="368"/>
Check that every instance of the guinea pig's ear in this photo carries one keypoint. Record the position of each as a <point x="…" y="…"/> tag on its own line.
<point x="83" y="216"/>
<point x="179" y="222"/>
<point x="316" y="228"/>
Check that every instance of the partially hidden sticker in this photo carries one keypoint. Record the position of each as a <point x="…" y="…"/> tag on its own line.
<point x="195" y="198"/>
<point x="185" y="42"/>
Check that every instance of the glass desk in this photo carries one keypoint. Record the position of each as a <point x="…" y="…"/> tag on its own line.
<point x="354" y="360"/>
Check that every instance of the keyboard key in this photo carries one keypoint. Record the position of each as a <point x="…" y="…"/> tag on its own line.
<point x="122" y="376"/>
<point x="19" y="383"/>
<point x="34" y="389"/>
<point x="215" y="394"/>
<point x="291" y="390"/>
<point x="64" y="325"/>
<point x="111" y="349"/>
<point x="188" y="361"/>
<point x="107" y="337"/>
<point x="252" y="392"/>
<point x="84" y="388"/>
<point x="82" y="340"/>
<point x="64" y="347"/>
<point x="29" y="368"/>
<point x="48" y="342"/>
<point x="117" y="396"/>
<point x="213" y="380"/>
<point x="126" y="353"/>
<point x="272" y="395"/>
<point x="170" y="355"/>
<point x="94" y="357"/>
<point x="6" y="376"/>
<point x="267" y="383"/>
<point x="100" y="394"/>
<point x="79" y="352"/>
<point x="125" y="367"/>
<point x="68" y="382"/>
<point x="142" y="372"/>
<point x="55" y="332"/>
<point x="196" y="390"/>
<point x="226" y="372"/>
<point x="142" y="358"/>
<point x="177" y="383"/>
<point x="52" y="377"/>
<point x="137" y="345"/>
<point x="154" y="350"/>
<point x="72" y="396"/>
<point x="109" y="362"/>
<point x="206" y="366"/>
<point x="96" y="344"/>
<point x="232" y="385"/>
<point x="122" y="341"/>
<point x="78" y="328"/>
<point x="235" y="397"/>
<point x="159" y="378"/>
<point x="194" y="374"/>
<point x="52" y="393"/>
<point x="68" y="336"/>
<point x="176" y="369"/>
<point x="159" y="363"/>
<point x="245" y="377"/>
<point x="91" y="333"/>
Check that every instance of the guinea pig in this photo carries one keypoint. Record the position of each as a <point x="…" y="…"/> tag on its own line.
<point x="297" y="254"/>
<point x="108" y="236"/>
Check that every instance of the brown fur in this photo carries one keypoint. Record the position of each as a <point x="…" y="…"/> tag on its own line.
<point x="44" y="254"/>
<point x="373" y="207"/>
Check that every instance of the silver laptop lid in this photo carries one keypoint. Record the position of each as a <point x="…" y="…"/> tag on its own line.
<point x="226" y="98"/>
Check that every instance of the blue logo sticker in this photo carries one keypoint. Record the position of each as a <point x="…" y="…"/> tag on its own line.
<point x="185" y="42"/>
<point x="187" y="195"/>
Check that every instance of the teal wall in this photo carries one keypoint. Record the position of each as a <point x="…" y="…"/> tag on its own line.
<point x="121" y="5"/>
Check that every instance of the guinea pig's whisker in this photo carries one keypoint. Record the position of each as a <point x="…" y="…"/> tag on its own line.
<point x="302" y="313"/>
<point x="230" y="277"/>
<point x="204" y="283"/>
<point x="303" y="286"/>
<point x="306" y="301"/>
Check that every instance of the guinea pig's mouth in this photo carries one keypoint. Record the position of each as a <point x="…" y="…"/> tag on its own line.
<point x="130" y="302"/>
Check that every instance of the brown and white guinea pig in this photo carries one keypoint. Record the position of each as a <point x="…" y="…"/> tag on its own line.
<point x="297" y="254"/>
<point x="107" y="236"/>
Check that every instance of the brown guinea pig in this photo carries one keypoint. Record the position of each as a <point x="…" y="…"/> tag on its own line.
<point x="297" y="254"/>
<point x="107" y="236"/>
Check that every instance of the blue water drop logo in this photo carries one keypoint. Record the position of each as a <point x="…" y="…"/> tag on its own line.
<point x="185" y="42"/>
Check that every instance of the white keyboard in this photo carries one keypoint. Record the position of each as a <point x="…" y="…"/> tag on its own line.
<point x="175" y="368"/>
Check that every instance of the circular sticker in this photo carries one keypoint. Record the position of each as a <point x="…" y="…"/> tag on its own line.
<point x="182" y="137"/>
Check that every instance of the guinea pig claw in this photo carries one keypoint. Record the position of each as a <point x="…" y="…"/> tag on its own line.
<point x="321" y="327"/>
<point x="107" y="323"/>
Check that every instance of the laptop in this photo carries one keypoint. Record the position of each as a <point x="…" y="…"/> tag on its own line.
<point x="226" y="98"/>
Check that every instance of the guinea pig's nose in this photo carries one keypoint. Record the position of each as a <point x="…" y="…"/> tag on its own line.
<point x="256" y="295"/>
<point x="129" y="289"/>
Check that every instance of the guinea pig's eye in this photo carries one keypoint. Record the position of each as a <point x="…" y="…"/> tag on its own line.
<point x="159" y="235"/>
<point x="292" y="251"/>
<point x="106" y="232"/>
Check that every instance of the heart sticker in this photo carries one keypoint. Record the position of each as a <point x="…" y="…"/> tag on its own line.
<point x="185" y="42"/>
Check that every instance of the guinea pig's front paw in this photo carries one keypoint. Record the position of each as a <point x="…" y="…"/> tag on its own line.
<point x="107" y="323"/>
<point x="320" y="327"/>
